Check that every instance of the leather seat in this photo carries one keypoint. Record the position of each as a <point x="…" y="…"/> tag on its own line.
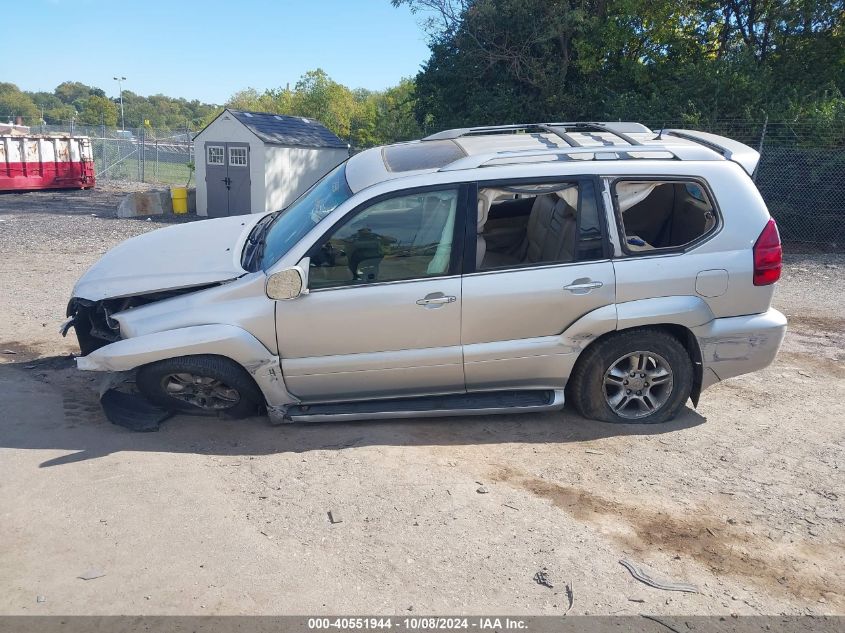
<point x="550" y="236"/>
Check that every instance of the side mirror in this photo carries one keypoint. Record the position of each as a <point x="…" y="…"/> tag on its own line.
<point x="289" y="283"/>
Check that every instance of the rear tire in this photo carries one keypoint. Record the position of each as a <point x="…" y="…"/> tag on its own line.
<point x="639" y="376"/>
<point x="200" y="384"/>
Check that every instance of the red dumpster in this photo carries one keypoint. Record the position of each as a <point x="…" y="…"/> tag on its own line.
<point x="45" y="162"/>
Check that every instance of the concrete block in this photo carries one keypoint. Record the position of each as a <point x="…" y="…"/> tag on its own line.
<point x="145" y="203"/>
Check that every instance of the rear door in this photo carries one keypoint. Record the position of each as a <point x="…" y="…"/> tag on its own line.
<point x="518" y="302"/>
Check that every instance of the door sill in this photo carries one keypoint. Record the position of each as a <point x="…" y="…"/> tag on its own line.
<point x="479" y="403"/>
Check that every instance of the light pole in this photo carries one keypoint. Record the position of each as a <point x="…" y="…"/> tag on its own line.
<point x="120" y="81"/>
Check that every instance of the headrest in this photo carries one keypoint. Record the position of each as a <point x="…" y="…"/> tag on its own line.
<point x="486" y="197"/>
<point x="569" y="196"/>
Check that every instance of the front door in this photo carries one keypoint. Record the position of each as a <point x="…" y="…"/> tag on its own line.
<point x="383" y="314"/>
<point x="526" y="287"/>
<point x="227" y="179"/>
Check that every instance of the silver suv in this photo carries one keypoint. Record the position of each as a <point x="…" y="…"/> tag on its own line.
<point x="479" y="270"/>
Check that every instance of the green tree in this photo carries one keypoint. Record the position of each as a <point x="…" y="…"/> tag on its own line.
<point x="99" y="111"/>
<point x="362" y="117"/>
<point x="395" y="119"/>
<point x="497" y="61"/>
<point x="70" y="92"/>
<point x="14" y="103"/>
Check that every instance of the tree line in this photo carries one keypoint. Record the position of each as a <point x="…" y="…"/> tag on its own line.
<point x="693" y="62"/>
<point x="89" y="105"/>
<point x="687" y="62"/>
<point x="362" y="117"/>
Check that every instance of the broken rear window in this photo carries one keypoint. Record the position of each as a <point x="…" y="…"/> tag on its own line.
<point x="662" y="215"/>
<point x="421" y="155"/>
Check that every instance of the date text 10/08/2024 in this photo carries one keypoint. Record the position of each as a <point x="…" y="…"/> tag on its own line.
<point x="417" y="623"/>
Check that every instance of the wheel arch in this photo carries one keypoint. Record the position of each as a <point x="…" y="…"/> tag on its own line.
<point x="675" y="315"/>
<point x="228" y="341"/>
<point x="198" y="356"/>
<point x="680" y="332"/>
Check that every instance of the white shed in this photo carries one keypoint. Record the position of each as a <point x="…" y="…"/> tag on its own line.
<point x="254" y="162"/>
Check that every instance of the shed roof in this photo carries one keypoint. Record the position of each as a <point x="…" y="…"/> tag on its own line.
<point x="280" y="129"/>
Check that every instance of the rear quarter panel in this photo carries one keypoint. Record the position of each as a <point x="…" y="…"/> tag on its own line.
<point x="743" y="214"/>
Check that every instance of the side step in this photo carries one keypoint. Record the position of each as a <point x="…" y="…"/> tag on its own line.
<point x="479" y="403"/>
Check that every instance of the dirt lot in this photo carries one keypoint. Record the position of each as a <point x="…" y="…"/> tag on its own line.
<point x="743" y="497"/>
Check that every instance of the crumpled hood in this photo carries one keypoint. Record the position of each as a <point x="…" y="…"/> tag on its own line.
<point x="192" y="254"/>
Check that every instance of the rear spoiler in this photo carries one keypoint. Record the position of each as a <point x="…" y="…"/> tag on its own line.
<point x="735" y="151"/>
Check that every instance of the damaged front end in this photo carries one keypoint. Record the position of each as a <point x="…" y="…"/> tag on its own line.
<point x="93" y="322"/>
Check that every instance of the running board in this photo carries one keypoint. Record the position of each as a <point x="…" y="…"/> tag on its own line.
<point x="478" y="403"/>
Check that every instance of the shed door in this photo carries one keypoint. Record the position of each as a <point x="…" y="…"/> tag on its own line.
<point x="227" y="179"/>
<point x="237" y="155"/>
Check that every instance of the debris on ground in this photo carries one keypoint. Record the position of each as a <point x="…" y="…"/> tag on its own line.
<point x="482" y="490"/>
<point x="570" y="597"/>
<point x="666" y="585"/>
<point x="132" y="411"/>
<point x="9" y="351"/>
<point x="590" y="451"/>
<point x="334" y="517"/>
<point x="91" y="574"/>
<point x="542" y="578"/>
<point x="40" y="599"/>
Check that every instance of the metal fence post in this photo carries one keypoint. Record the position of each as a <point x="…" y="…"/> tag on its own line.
<point x="103" y="152"/>
<point x="760" y="148"/>
<point x="143" y="156"/>
<point x="155" y="167"/>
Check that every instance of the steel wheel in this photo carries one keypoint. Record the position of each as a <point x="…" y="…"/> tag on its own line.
<point x="638" y="384"/>
<point x="204" y="392"/>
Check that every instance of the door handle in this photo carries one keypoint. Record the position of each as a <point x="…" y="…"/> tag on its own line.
<point x="436" y="299"/>
<point x="583" y="286"/>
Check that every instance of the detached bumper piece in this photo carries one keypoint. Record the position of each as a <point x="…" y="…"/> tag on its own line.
<point x="132" y="411"/>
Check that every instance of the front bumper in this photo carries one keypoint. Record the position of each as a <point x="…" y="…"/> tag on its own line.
<point x="739" y="345"/>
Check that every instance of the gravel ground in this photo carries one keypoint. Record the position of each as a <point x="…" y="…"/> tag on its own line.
<point x="742" y="497"/>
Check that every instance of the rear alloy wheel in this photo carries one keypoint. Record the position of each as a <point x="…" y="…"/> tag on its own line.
<point x="638" y="384"/>
<point x="200" y="384"/>
<point x="640" y="376"/>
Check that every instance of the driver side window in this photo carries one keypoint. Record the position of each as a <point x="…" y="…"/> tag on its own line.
<point x="407" y="237"/>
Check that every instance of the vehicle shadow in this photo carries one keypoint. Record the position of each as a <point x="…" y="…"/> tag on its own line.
<point x="65" y="415"/>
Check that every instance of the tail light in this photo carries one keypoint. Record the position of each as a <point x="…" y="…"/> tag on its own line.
<point x="768" y="255"/>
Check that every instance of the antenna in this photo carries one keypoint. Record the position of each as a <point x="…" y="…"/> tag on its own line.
<point x="659" y="136"/>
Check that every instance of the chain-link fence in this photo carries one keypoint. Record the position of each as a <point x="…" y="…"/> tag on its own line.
<point x="136" y="155"/>
<point x="801" y="174"/>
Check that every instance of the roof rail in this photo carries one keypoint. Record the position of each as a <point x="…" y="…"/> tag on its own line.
<point x="620" y="129"/>
<point x="605" y="152"/>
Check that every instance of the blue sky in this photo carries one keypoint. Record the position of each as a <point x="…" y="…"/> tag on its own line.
<point x="208" y="49"/>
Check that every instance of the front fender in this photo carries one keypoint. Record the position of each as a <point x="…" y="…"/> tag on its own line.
<point x="223" y="340"/>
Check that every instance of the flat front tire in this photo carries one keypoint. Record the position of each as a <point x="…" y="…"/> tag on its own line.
<point x="640" y="376"/>
<point x="200" y="384"/>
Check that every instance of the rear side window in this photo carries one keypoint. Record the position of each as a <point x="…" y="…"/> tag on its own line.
<point x="662" y="215"/>
<point x="538" y="224"/>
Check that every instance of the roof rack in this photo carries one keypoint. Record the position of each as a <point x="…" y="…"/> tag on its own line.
<point x="621" y="130"/>
<point x="604" y="152"/>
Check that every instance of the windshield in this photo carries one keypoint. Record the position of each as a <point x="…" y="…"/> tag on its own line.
<point x="304" y="214"/>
